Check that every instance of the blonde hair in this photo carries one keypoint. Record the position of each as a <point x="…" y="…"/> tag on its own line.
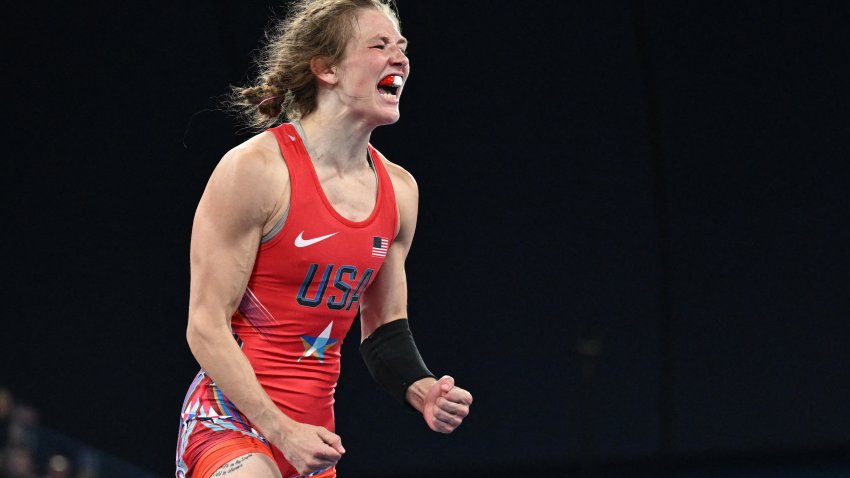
<point x="285" y="87"/>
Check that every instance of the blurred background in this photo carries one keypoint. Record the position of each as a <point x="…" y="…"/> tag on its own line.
<point x="633" y="244"/>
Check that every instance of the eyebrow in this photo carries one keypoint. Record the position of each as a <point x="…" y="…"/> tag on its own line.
<point x="385" y="39"/>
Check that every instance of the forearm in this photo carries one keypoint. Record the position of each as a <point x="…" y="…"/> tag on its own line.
<point x="393" y="359"/>
<point x="223" y="361"/>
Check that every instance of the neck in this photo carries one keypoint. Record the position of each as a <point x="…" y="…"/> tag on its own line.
<point x="336" y="142"/>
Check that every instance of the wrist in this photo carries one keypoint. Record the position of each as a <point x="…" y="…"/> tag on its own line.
<point x="272" y="422"/>
<point x="417" y="392"/>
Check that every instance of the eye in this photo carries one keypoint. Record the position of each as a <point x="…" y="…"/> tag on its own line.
<point x="379" y="47"/>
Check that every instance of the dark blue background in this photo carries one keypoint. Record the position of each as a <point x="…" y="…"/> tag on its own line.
<point x="633" y="241"/>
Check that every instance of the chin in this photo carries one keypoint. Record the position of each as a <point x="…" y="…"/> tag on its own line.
<point x="388" y="119"/>
<point x="393" y="120"/>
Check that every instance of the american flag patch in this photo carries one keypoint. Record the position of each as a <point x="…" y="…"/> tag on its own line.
<point x="380" y="246"/>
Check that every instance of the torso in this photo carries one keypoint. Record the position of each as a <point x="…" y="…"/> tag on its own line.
<point x="306" y="285"/>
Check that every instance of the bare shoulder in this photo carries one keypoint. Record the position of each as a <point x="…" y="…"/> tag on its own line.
<point x="257" y="158"/>
<point x="407" y="200"/>
<point x="252" y="175"/>
<point x="403" y="182"/>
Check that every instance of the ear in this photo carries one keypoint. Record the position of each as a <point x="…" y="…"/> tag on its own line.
<point x="323" y="70"/>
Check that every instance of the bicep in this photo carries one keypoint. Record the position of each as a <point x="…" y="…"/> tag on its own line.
<point x="226" y="234"/>
<point x="386" y="298"/>
<point x="221" y="259"/>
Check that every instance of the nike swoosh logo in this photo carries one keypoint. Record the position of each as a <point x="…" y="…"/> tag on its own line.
<point x="301" y="242"/>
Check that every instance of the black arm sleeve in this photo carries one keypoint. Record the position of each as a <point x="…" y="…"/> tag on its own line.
<point x="393" y="359"/>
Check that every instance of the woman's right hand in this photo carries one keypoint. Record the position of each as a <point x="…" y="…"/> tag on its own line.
<point x="310" y="449"/>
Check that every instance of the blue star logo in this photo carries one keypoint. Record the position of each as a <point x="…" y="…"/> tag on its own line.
<point x="315" y="346"/>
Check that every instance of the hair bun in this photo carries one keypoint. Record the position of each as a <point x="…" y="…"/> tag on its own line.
<point x="270" y="106"/>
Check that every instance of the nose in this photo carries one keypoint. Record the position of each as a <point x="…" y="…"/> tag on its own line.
<point x="399" y="58"/>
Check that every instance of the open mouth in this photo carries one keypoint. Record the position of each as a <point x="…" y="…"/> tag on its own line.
<point x="390" y="86"/>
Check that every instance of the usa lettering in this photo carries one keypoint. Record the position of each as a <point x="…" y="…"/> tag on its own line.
<point x="345" y="290"/>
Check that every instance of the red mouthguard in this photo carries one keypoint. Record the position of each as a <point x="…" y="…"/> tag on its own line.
<point x="388" y="81"/>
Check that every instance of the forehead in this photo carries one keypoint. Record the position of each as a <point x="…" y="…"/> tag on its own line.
<point x="374" y="24"/>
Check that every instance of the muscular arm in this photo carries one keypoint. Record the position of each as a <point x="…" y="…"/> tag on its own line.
<point x="225" y="236"/>
<point x="386" y="298"/>
<point x="242" y="198"/>
<point x="442" y="404"/>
